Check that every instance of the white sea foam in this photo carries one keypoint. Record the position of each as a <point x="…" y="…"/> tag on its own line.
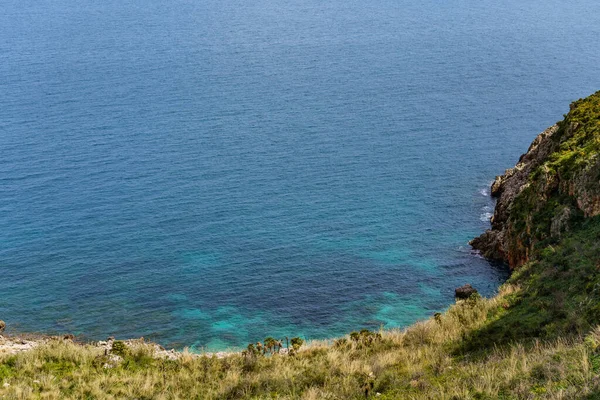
<point x="483" y="192"/>
<point x="485" y="216"/>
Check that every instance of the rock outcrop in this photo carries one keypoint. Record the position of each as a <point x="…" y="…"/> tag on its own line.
<point x="554" y="185"/>
<point x="464" y="292"/>
<point x="14" y="345"/>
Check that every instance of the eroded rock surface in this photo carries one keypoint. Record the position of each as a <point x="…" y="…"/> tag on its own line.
<point x="555" y="184"/>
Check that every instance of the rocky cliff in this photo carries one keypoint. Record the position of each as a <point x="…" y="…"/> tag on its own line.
<point x="554" y="186"/>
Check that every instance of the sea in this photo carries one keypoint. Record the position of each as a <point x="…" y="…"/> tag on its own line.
<point x="206" y="173"/>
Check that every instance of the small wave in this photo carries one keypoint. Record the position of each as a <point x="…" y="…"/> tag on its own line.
<point x="486" y="208"/>
<point x="477" y="254"/>
<point x="483" y="192"/>
<point x="485" y="216"/>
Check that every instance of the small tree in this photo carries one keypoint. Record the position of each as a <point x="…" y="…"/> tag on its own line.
<point x="297" y="343"/>
<point x="251" y="351"/>
<point x="120" y="348"/>
<point x="270" y="344"/>
<point x="260" y="348"/>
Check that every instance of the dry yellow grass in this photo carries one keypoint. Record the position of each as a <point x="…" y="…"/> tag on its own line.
<point x="420" y="362"/>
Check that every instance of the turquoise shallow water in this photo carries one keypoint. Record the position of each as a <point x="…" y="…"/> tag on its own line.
<point x="207" y="173"/>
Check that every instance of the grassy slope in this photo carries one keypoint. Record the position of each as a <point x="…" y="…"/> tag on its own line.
<point x="538" y="338"/>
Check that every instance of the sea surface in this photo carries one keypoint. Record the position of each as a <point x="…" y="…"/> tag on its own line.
<point x="206" y="173"/>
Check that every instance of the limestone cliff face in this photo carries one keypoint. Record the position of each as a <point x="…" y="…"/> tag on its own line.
<point x="554" y="185"/>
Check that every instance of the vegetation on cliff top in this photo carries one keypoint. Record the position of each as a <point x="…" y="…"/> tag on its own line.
<point x="563" y="189"/>
<point x="538" y="338"/>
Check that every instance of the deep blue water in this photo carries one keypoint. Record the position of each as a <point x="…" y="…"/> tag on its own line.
<point x="206" y="173"/>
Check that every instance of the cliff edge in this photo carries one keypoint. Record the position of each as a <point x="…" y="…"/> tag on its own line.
<point x="554" y="186"/>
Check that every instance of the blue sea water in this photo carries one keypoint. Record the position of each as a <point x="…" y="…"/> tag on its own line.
<point x="206" y="173"/>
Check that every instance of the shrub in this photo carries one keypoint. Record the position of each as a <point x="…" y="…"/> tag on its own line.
<point x="120" y="348"/>
<point x="297" y="343"/>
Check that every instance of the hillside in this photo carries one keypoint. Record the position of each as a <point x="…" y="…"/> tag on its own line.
<point x="554" y="187"/>
<point x="538" y="338"/>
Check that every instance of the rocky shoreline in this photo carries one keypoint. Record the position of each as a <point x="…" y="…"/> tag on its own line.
<point x="553" y="186"/>
<point x="494" y="243"/>
<point x="14" y="344"/>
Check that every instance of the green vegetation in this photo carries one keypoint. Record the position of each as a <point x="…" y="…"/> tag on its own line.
<point x="297" y="343"/>
<point x="564" y="189"/>
<point x="428" y="360"/>
<point x="561" y="298"/>
<point x="120" y="348"/>
<point x="539" y="338"/>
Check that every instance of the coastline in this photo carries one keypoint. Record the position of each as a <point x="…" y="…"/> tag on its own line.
<point x="538" y="337"/>
<point x="16" y="343"/>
